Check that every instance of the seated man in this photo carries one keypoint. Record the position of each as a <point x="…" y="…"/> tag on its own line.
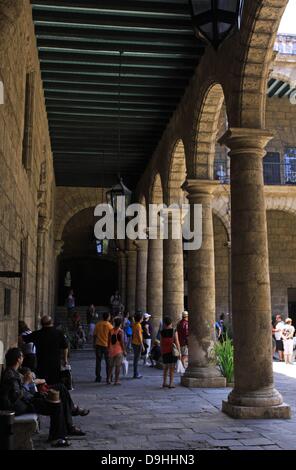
<point x="14" y="396"/>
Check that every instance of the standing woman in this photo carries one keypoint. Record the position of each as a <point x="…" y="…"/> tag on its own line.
<point x="287" y="336"/>
<point x="169" y="342"/>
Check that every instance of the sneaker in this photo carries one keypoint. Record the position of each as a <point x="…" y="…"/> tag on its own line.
<point x="138" y="376"/>
<point x="98" y="380"/>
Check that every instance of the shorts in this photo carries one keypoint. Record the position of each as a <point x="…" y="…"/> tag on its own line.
<point x="168" y="359"/>
<point x="279" y="345"/>
<point x="116" y="361"/>
<point x="184" y="350"/>
<point x="288" y="346"/>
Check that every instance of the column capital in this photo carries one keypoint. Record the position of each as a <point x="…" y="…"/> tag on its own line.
<point x="200" y="187"/>
<point x="58" y="247"/>
<point x="246" y="140"/>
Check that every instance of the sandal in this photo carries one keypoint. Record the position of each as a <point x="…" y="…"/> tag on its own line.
<point x="171" y="386"/>
<point x="165" y="386"/>
<point x="76" y="432"/>
<point x="61" y="443"/>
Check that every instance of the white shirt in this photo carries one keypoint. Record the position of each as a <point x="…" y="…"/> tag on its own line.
<point x="279" y="326"/>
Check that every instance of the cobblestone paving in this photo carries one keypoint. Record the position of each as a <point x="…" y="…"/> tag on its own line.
<point x="140" y="414"/>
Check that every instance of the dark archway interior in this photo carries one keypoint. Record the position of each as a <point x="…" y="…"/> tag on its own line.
<point x="94" y="277"/>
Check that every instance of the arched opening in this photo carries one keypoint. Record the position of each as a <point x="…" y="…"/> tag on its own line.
<point x="282" y="262"/>
<point x="212" y="124"/>
<point x="177" y="174"/>
<point x="222" y="268"/>
<point x="92" y="267"/>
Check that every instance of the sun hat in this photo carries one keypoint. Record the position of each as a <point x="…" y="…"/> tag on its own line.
<point x="53" y="396"/>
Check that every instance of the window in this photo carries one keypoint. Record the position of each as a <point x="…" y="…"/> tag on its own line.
<point x="7" y="302"/>
<point x="272" y="168"/>
<point x="290" y="165"/>
<point x="28" y="120"/>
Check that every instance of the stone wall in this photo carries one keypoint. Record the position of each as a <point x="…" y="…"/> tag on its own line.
<point x="280" y="118"/>
<point x="282" y="257"/>
<point x="27" y="184"/>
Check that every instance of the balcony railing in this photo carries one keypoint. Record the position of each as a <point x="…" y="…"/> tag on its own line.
<point x="274" y="173"/>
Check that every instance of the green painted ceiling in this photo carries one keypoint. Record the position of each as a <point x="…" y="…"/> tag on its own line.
<point x="79" y="47"/>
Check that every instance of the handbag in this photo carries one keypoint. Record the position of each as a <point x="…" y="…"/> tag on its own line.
<point x="175" y="350"/>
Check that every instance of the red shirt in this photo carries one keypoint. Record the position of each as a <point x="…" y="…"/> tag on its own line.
<point x="182" y="330"/>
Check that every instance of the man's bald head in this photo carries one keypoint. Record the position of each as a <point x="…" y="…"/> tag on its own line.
<point x="46" y="321"/>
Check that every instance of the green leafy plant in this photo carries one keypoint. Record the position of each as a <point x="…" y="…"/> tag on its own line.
<point x="224" y="358"/>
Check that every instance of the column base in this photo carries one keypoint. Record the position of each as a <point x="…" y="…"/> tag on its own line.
<point x="203" y="382"/>
<point x="282" y="411"/>
<point x="203" y="377"/>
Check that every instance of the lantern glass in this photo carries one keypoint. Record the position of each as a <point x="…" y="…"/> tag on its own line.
<point x="216" y="19"/>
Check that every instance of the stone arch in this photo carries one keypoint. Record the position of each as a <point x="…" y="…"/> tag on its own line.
<point x="283" y="203"/>
<point x="156" y="191"/>
<point x="177" y="174"/>
<point x="207" y="131"/>
<point x="70" y="201"/>
<point x="259" y="28"/>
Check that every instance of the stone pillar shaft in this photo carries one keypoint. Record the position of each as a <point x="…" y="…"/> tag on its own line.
<point x="131" y="280"/>
<point x="122" y="276"/>
<point x="254" y="394"/>
<point x="201" y="294"/>
<point x="155" y="281"/>
<point x="173" y="274"/>
<point x="141" y="287"/>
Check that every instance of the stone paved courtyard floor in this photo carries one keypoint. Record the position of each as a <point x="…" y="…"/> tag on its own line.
<point x="140" y="414"/>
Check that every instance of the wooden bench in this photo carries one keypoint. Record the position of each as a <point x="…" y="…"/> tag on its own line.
<point x="24" y="427"/>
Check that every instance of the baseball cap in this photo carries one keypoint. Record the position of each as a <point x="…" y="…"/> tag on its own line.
<point x="146" y="315"/>
<point x="184" y="314"/>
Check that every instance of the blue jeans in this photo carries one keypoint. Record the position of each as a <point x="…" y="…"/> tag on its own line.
<point x="101" y="351"/>
<point x="137" y="354"/>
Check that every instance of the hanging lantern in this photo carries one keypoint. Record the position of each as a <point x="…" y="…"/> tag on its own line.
<point x="119" y="197"/>
<point x="215" y="20"/>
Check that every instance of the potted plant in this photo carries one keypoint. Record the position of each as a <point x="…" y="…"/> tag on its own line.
<point x="224" y="359"/>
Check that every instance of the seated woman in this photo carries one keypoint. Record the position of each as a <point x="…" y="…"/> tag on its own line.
<point x="16" y="395"/>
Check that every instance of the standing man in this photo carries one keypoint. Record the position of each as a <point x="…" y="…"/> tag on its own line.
<point x="279" y="326"/>
<point x="147" y="335"/>
<point x="137" y="343"/>
<point x="101" y="335"/>
<point x="183" y="333"/>
<point x="50" y="344"/>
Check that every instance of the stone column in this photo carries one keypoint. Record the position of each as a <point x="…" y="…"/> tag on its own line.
<point x="43" y="224"/>
<point x="155" y="278"/>
<point x="254" y="395"/>
<point x="122" y="276"/>
<point x="131" y="279"/>
<point x="201" y="371"/>
<point x="58" y="249"/>
<point x="141" y="286"/>
<point x="173" y="273"/>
